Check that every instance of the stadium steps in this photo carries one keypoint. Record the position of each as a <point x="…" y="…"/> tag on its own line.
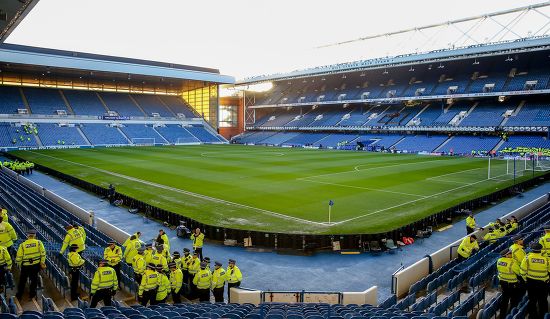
<point x="82" y="134"/>
<point x="102" y="102"/>
<point x="25" y="101"/>
<point x="418" y="114"/>
<point x="67" y="104"/>
<point x="125" y="136"/>
<point x="162" y="136"/>
<point x="136" y="104"/>
<point x="467" y="113"/>
<point x="497" y="147"/>
<point x="38" y="141"/>
<point x="443" y="144"/>
<point x="518" y="109"/>
<point x="166" y="106"/>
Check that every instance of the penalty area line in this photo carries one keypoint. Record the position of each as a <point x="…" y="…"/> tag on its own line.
<point x="208" y="198"/>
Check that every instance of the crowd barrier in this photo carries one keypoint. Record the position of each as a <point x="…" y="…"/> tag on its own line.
<point x="405" y="278"/>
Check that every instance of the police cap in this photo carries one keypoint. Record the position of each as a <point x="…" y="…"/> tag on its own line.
<point x="172" y="265"/>
<point x="536" y="246"/>
<point x="505" y="252"/>
<point x="160" y="248"/>
<point x="141" y="249"/>
<point x="176" y="253"/>
<point x="217" y="263"/>
<point x="203" y="265"/>
<point x="73" y="246"/>
<point x="151" y="266"/>
<point x="31" y="232"/>
<point x="186" y="250"/>
<point x="231" y="261"/>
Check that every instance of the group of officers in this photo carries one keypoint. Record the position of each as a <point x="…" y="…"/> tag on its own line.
<point x="157" y="273"/>
<point x="23" y="168"/>
<point x="518" y="271"/>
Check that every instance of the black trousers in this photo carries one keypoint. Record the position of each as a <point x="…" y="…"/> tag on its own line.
<point x="3" y="272"/>
<point x="229" y="286"/>
<point x="75" y="278"/>
<point x="537" y="290"/>
<point x="149" y="296"/>
<point x="203" y="294"/>
<point x="469" y="230"/>
<point x="218" y="294"/>
<point x="137" y="278"/>
<point x="101" y="294"/>
<point x="509" y="293"/>
<point x="28" y="272"/>
<point x="198" y="250"/>
<point x="117" y="271"/>
<point x="176" y="296"/>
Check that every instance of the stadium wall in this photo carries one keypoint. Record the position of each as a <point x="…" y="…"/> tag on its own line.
<point x="296" y="243"/>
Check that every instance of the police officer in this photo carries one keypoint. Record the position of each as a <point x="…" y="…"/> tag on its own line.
<point x="470" y="224"/>
<point x="491" y="236"/>
<point x="5" y="266"/>
<point x="7" y="236"/>
<point x="466" y="248"/>
<point x="75" y="263"/>
<point x="233" y="277"/>
<point x="139" y="265"/>
<point x="518" y="254"/>
<point x="73" y="236"/>
<point x="198" y="241"/>
<point x="149" y="285"/>
<point x="203" y="282"/>
<point x="113" y="255"/>
<point x="185" y="264"/>
<point x="162" y="235"/>
<point x="136" y="235"/>
<point x="176" y="281"/>
<point x="31" y="256"/>
<point x="545" y="241"/>
<point x="508" y="282"/>
<point x="163" y="287"/>
<point x="176" y="259"/>
<point x="104" y="284"/>
<point x="148" y="254"/>
<point x="159" y="259"/>
<point x="131" y="249"/>
<point x="534" y="270"/>
<point x="218" y="281"/>
<point x="193" y="269"/>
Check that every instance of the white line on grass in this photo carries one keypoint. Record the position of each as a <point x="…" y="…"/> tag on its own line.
<point x="365" y="188"/>
<point x="206" y="154"/>
<point x="208" y="198"/>
<point x="434" y="178"/>
<point x="410" y="202"/>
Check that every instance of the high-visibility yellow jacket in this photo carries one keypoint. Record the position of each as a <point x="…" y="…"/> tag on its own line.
<point x="148" y="254"/>
<point x="466" y="247"/>
<point x="138" y="264"/>
<point x="104" y="278"/>
<point x="159" y="259"/>
<point x="471" y="222"/>
<point x="131" y="249"/>
<point x="505" y="272"/>
<point x="176" y="279"/>
<point x="518" y="254"/>
<point x="203" y="279"/>
<point x="515" y="226"/>
<point x="83" y="233"/>
<point x="164" y="287"/>
<point x="128" y="240"/>
<point x="75" y="260"/>
<point x="166" y="241"/>
<point x="7" y="234"/>
<point x="4" y="215"/>
<point x="198" y="241"/>
<point x="31" y="252"/>
<point x="186" y="261"/>
<point x="5" y="258"/>
<point x="218" y="278"/>
<point x="113" y="256"/>
<point x="233" y="275"/>
<point x="535" y="266"/>
<point x="545" y="242"/>
<point x="149" y="280"/>
<point x="194" y="266"/>
<point x="178" y="262"/>
<point x="73" y="236"/>
<point x="490" y="237"/>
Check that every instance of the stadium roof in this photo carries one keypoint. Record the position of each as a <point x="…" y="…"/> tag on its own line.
<point x="11" y="14"/>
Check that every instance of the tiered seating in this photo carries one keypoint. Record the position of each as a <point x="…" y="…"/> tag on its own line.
<point x="176" y="134"/>
<point x="10" y="100"/>
<point x="177" y="105"/>
<point x="103" y="134"/>
<point x="54" y="135"/>
<point x="121" y="103"/>
<point x="486" y="114"/>
<point x="380" y="140"/>
<point x="465" y="144"/>
<point x="420" y="143"/>
<point x="357" y="117"/>
<point x="140" y="131"/>
<point x="15" y="136"/>
<point x="151" y="104"/>
<point x="430" y="114"/>
<point x="202" y="134"/>
<point x="443" y="87"/>
<point x="333" y="140"/>
<point x="526" y="141"/>
<point x="531" y="114"/>
<point x="84" y="102"/>
<point x="281" y="118"/>
<point x="254" y="137"/>
<point x="279" y="138"/>
<point x="517" y="83"/>
<point x="478" y="85"/>
<point x="305" y="139"/>
<point x="305" y="119"/>
<point x="330" y="117"/>
<point x="44" y="101"/>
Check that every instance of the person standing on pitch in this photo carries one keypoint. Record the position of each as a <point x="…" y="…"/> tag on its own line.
<point x="104" y="284"/>
<point x="75" y="263"/>
<point x="31" y="256"/>
<point x="534" y="270"/>
<point x="198" y="241"/>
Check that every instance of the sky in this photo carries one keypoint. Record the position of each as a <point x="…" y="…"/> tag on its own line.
<point x="241" y="38"/>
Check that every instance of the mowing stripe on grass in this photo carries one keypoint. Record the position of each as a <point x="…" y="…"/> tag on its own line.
<point x="359" y="187"/>
<point x="208" y="198"/>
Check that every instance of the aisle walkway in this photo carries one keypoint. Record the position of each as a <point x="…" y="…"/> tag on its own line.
<point x="270" y="271"/>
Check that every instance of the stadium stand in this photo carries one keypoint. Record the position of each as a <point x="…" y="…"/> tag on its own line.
<point x="103" y="134"/>
<point x="177" y="106"/>
<point x="84" y="102"/>
<point x="176" y="134"/>
<point x="203" y="134"/>
<point x="121" y="103"/>
<point x="11" y="135"/>
<point x="45" y="101"/>
<point x="420" y="143"/>
<point x="138" y="131"/>
<point x="465" y="144"/>
<point x="152" y="105"/>
<point x="56" y="135"/>
<point x="10" y="100"/>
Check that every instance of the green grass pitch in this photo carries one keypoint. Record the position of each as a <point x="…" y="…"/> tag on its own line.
<point x="283" y="189"/>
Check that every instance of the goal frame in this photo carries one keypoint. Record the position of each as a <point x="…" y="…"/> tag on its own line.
<point x="143" y="141"/>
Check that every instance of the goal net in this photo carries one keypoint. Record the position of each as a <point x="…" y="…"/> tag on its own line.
<point x="185" y="140"/>
<point x="518" y="166"/>
<point x="143" y="141"/>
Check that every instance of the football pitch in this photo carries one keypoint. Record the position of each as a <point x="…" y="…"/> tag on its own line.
<point x="284" y="189"/>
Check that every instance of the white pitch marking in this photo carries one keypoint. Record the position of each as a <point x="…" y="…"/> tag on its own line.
<point x="212" y="199"/>
<point x="434" y="178"/>
<point x="410" y="202"/>
<point x="365" y="188"/>
<point x="206" y="154"/>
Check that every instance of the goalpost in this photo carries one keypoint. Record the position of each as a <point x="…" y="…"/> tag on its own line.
<point x="511" y="167"/>
<point x="143" y="141"/>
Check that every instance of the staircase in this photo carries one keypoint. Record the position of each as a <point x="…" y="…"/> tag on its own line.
<point x="137" y="105"/>
<point x="163" y="138"/>
<point x="67" y="104"/>
<point x="125" y="136"/>
<point x="25" y="102"/>
<point x="166" y="106"/>
<point x="102" y="102"/>
<point x="83" y="135"/>
<point x="499" y="144"/>
<point x="443" y="144"/>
